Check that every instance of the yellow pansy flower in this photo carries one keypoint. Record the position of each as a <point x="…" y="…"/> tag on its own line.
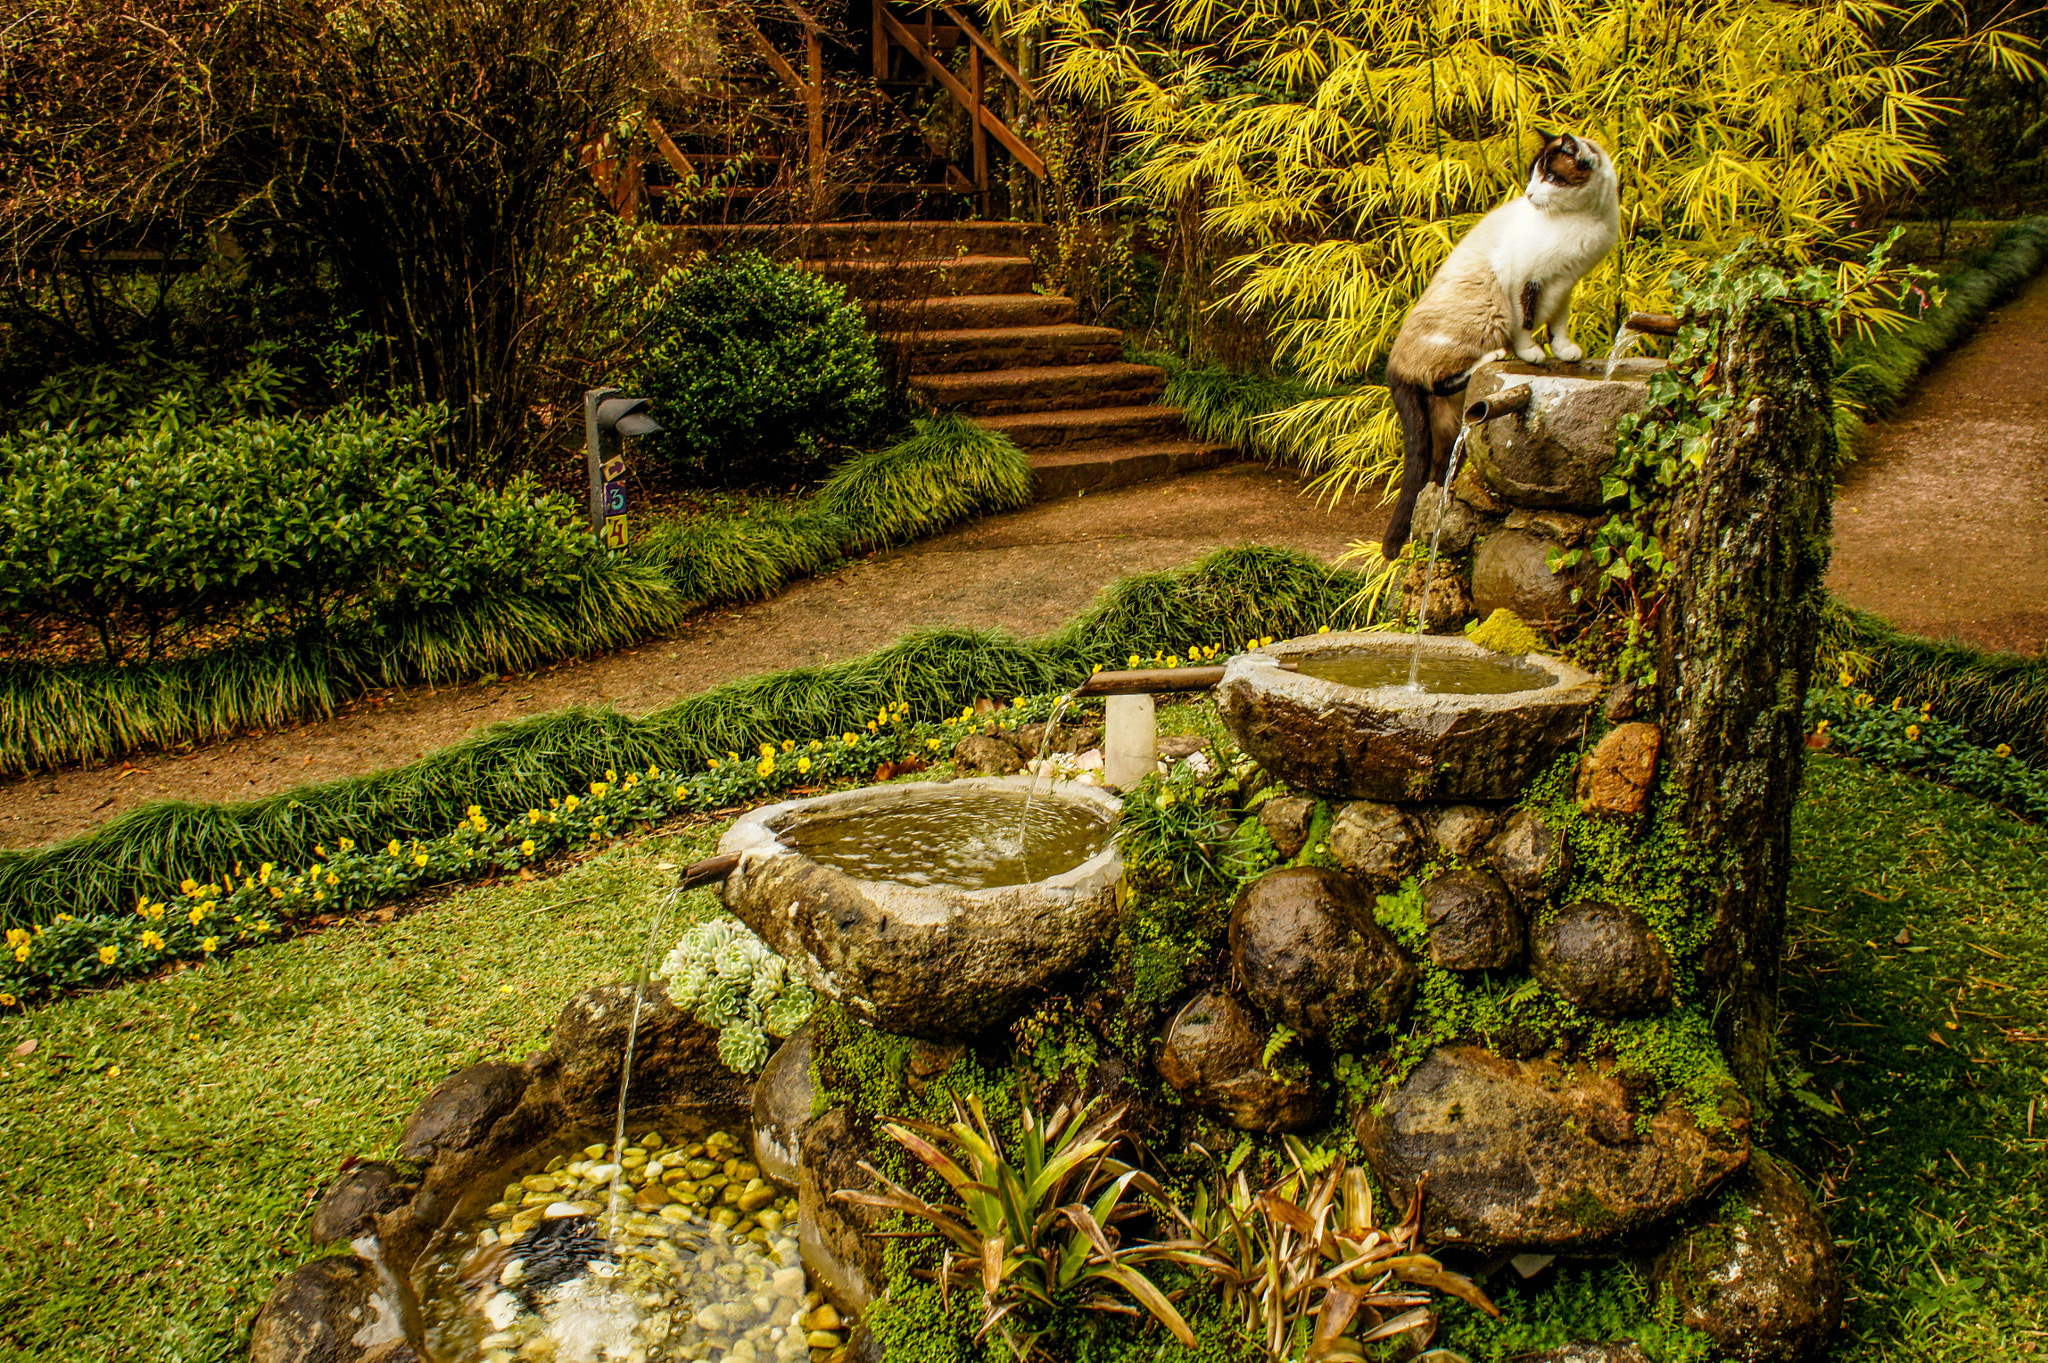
<point x="107" y="955"/>
<point x="526" y="848"/>
<point x="210" y="945"/>
<point x="152" y="942"/>
<point x="803" y="764"/>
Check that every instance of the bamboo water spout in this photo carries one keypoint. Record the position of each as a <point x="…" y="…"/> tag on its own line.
<point x="1500" y="404"/>
<point x="1653" y="324"/>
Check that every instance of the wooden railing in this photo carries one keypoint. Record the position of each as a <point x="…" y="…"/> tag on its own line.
<point x="973" y="96"/>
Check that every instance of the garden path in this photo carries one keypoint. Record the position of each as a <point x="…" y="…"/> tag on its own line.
<point x="1026" y="572"/>
<point x="1942" y="526"/>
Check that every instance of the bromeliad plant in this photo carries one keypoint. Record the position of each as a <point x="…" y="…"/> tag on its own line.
<point x="1036" y="1227"/>
<point x="1308" y="1271"/>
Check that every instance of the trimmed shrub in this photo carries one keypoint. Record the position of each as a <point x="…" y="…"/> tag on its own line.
<point x="285" y="526"/>
<point x="756" y="369"/>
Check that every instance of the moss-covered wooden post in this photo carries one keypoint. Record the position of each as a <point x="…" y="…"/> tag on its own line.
<point x="1749" y="546"/>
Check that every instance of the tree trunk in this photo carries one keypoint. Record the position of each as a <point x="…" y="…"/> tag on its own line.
<point x="1749" y="544"/>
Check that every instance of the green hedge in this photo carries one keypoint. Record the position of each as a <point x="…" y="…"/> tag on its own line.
<point x="1993" y="697"/>
<point x="1229" y="596"/>
<point x="946" y="470"/>
<point x="1875" y="375"/>
<point x="287" y="526"/>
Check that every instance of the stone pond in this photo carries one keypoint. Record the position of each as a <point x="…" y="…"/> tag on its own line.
<point x="1420" y="846"/>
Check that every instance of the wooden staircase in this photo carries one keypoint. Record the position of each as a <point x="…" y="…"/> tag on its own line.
<point x="955" y="302"/>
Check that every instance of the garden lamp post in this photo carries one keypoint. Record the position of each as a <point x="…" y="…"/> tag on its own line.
<point x="607" y="416"/>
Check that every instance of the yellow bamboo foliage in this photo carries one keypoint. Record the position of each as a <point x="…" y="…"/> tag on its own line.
<point x="1341" y="149"/>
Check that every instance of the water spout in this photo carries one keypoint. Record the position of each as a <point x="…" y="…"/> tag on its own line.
<point x="1491" y="408"/>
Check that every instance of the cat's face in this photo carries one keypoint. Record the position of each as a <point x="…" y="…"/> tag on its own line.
<point x="1565" y="162"/>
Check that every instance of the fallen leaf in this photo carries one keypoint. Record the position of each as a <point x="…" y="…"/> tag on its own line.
<point x="27" y="1047"/>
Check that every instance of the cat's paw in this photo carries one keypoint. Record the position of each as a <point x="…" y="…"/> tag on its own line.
<point x="1529" y="354"/>
<point x="1566" y="349"/>
<point x="1490" y="356"/>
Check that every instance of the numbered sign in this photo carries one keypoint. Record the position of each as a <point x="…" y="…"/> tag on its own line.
<point x="615" y="531"/>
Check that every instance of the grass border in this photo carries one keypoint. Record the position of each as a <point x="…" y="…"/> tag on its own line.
<point x="1229" y="596"/>
<point x="1993" y="697"/>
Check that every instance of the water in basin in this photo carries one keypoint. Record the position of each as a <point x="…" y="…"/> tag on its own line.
<point x="687" y="1271"/>
<point x="967" y="838"/>
<point x="1459" y="676"/>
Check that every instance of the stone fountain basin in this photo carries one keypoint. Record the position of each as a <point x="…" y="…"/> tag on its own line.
<point x="937" y="962"/>
<point x="1385" y="743"/>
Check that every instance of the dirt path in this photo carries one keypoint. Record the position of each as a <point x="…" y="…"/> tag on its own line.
<point x="1942" y="526"/>
<point x="1026" y="572"/>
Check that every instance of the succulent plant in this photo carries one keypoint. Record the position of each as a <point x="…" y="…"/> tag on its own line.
<point x="729" y="979"/>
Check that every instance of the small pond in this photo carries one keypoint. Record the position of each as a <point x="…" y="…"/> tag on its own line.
<point x="699" y="1260"/>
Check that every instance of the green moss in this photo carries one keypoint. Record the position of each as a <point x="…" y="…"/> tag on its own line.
<point x="1401" y="914"/>
<point x="1613" y="1302"/>
<point x="1504" y="632"/>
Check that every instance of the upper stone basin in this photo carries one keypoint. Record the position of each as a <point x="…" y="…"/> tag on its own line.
<point x="1389" y="743"/>
<point x="936" y="961"/>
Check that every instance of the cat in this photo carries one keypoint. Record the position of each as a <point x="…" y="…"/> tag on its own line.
<point x="1506" y="285"/>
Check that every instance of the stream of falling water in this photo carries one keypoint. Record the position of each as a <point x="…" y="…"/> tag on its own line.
<point x="1429" y="574"/>
<point x="1052" y="728"/>
<point x="1624" y="341"/>
<point x="654" y="925"/>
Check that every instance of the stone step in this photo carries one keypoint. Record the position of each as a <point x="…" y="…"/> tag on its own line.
<point x="981" y="348"/>
<point x="974" y="310"/>
<point x="1065" y="431"/>
<point x="935" y="276"/>
<point x="902" y="240"/>
<point x="1051" y="388"/>
<point x="1071" y="472"/>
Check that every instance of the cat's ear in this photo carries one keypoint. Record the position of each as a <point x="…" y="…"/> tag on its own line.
<point x="1547" y="138"/>
<point x="1568" y="144"/>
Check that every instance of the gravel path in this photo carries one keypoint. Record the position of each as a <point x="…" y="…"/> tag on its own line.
<point x="1025" y="572"/>
<point x="1942" y="525"/>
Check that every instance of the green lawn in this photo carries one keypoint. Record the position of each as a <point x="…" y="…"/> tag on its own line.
<point x="145" y="1213"/>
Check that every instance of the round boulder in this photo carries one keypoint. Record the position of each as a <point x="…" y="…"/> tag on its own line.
<point x="1460" y="830"/>
<point x="1375" y="842"/>
<point x="1473" y="922"/>
<point x="329" y="1311"/>
<point x="988" y="754"/>
<point x="460" y="1113"/>
<point x="1511" y="571"/>
<point x="1287" y="820"/>
<point x="1212" y="1056"/>
<point x="1535" y="1155"/>
<point x="1760" y="1277"/>
<point x="1555" y="452"/>
<point x="1311" y="955"/>
<point x="675" y="1057"/>
<point x="1615" y="778"/>
<point x="782" y="1104"/>
<point x="362" y="1191"/>
<point x="1531" y="855"/>
<point x="1604" y="958"/>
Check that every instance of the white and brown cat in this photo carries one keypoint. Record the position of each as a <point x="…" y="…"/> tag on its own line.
<point x="1506" y="285"/>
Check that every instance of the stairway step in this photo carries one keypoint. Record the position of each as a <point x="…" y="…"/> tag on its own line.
<point x="1070" y="473"/>
<point x="890" y="240"/>
<point x="1088" y="427"/>
<point x="974" y="310"/>
<point x="1068" y="387"/>
<point x="918" y="277"/>
<point x="977" y="348"/>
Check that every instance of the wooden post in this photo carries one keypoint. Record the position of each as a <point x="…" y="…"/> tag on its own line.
<point x="814" y="108"/>
<point x="981" y="202"/>
<point x="880" y="37"/>
<point x="1749" y="551"/>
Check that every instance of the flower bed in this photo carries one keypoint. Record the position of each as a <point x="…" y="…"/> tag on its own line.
<point x="1844" y="716"/>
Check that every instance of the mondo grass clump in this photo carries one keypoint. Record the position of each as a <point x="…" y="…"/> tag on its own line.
<point x="716" y="558"/>
<point x="945" y="471"/>
<point x="1230" y="596"/>
<point x="1226" y="406"/>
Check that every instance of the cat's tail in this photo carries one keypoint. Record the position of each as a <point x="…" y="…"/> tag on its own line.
<point x="1418" y="451"/>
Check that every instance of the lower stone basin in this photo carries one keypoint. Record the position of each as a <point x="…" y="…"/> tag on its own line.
<point x="1393" y="743"/>
<point x="914" y="955"/>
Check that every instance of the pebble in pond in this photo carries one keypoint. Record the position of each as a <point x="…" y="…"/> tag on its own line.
<point x="698" y="1261"/>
